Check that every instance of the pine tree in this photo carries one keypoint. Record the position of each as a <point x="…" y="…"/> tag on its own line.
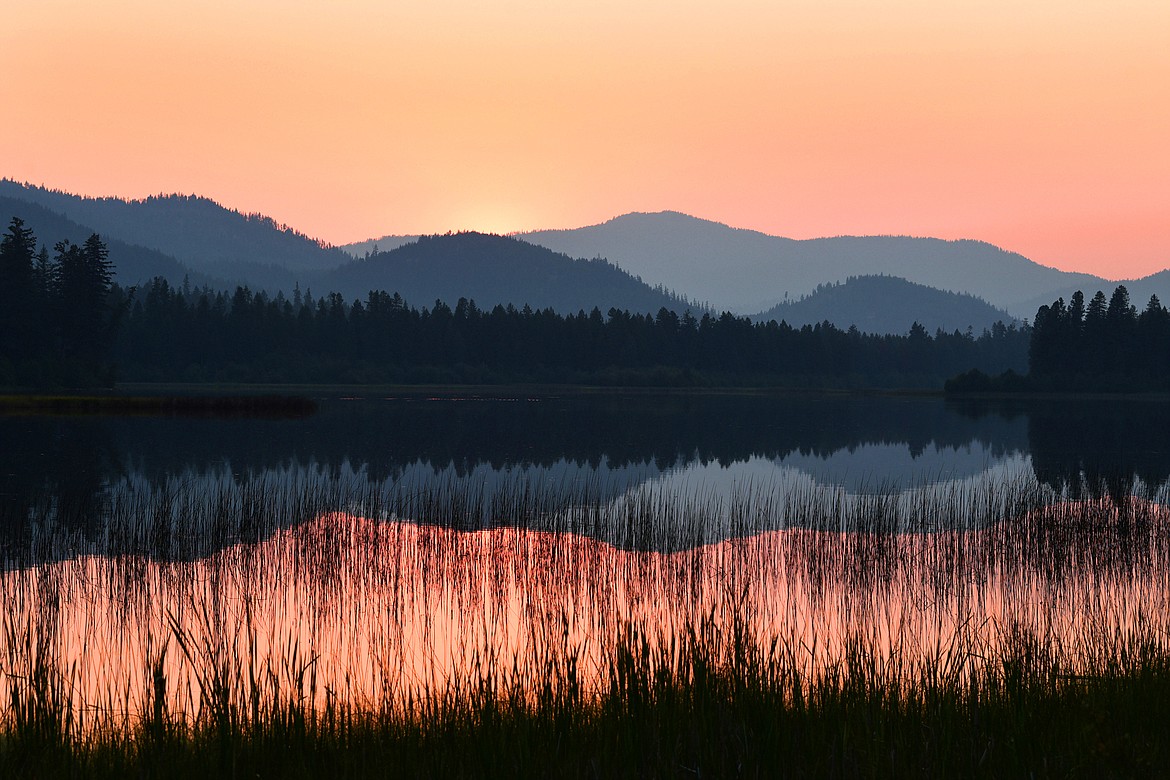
<point x="85" y="317"/>
<point x="19" y="318"/>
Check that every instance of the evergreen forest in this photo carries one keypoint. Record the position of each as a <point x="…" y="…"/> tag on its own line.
<point x="200" y="335"/>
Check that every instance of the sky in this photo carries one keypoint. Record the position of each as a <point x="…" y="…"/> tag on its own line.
<point x="1042" y="127"/>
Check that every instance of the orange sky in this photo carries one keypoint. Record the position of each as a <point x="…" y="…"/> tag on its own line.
<point x="1041" y="126"/>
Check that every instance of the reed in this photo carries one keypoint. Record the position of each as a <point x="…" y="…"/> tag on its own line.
<point x="304" y="624"/>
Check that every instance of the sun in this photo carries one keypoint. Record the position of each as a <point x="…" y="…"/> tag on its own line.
<point x="499" y="218"/>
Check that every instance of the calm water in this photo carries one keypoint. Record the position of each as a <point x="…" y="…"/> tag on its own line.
<point x="392" y="545"/>
<point x="672" y="444"/>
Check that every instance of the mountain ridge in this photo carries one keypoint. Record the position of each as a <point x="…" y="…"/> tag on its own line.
<point x="197" y="231"/>
<point x="705" y="263"/>
<point x="490" y="270"/>
<point x="133" y="264"/>
<point x="748" y="271"/>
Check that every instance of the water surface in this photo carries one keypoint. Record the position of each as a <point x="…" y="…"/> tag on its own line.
<point x="394" y="547"/>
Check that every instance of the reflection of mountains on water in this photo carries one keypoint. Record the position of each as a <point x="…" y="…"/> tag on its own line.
<point x="633" y="506"/>
<point x="617" y="443"/>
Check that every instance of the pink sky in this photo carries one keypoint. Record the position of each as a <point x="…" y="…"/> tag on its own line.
<point x="1041" y="126"/>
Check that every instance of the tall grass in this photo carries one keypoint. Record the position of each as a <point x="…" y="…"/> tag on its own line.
<point x="307" y="622"/>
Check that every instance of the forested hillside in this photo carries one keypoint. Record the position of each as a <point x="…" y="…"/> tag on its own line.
<point x="496" y="269"/>
<point x="887" y="304"/>
<point x="135" y="264"/>
<point x="195" y="231"/>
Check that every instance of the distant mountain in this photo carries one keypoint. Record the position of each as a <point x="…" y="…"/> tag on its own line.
<point x="705" y="262"/>
<point x="132" y="264"/>
<point x="195" y="231"/>
<point x="746" y="271"/>
<point x="371" y="246"/>
<point x="495" y="269"/>
<point x="887" y="304"/>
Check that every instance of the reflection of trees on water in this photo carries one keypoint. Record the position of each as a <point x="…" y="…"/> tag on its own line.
<point x="668" y="432"/>
<point x="52" y="469"/>
<point x="74" y="460"/>
<point x="62" y="474"/>
<point x="1090" y="447"/>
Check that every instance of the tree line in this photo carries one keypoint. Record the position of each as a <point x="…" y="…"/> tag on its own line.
<point x="172" y="333"/>
<point x="1099" y="346"/>
<point x="57" y="319"/>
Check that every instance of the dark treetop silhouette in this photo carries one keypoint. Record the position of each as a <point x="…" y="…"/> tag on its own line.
<point x="57" y="320"/>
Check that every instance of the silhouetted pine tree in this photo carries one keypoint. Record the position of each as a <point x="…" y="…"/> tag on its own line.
<point x="20" y="320"/>
<point x="84" y="317"/>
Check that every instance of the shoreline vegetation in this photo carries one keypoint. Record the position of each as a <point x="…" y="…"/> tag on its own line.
<point x="64" y="323"/>
<point x="691" y="715"/>
<point x="994" y="628"/>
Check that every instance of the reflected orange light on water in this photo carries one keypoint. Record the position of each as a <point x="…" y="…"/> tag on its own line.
<point x="372" y="613"/>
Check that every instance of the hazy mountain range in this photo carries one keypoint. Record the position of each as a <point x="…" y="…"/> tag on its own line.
<point x="187" y="238"/>
<point x="639" y="262"/>
<point x="746" y="271"/>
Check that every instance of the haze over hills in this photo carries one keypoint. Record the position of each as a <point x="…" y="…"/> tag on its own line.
<point x="360" y="249"/>
<point x="497" y="270"/>
<point x="747" y="271"/>
<point x="196" y="231"/>
<point x="133" y="264"/>
<point x="222" y="248"/>
<point x="887" y="304"/>
<point x="707" y="262"/>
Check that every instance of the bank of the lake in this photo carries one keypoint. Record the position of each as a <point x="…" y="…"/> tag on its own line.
<point x="213" y="403"/>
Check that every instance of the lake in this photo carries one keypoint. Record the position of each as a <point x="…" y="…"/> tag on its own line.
<point x="389" y="548"/>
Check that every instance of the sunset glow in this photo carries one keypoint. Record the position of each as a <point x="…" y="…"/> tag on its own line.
<point x="1040" y="127"/>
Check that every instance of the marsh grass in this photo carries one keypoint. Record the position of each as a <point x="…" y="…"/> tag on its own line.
<point x="311" y="628"/>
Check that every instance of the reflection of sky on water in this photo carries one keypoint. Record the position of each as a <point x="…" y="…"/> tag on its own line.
<point x="374" y="596"/>
<point x="866" y="468"/>
<point x="848" y="490"/>
<point x="883" y="466"/>
<point x="723" y="501"/>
